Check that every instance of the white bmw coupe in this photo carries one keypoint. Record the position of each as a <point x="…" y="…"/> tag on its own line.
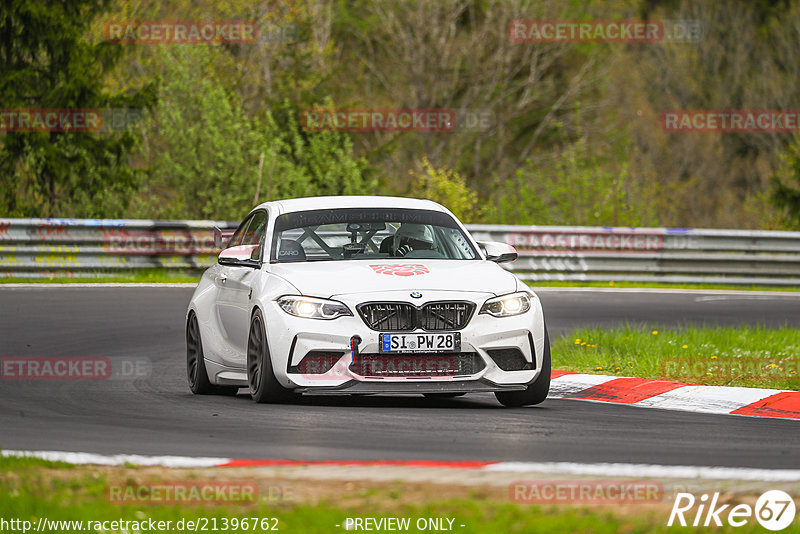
<point x="364" y="295"/>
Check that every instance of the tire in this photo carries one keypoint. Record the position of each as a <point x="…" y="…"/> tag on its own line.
<point x="264" y="387"/>
<point x="196" y="372"/>
<point x="443" y="395"/>
<point x="536" y="392"/>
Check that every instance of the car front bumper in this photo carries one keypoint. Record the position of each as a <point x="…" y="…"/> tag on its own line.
<point x="292" y="338"/>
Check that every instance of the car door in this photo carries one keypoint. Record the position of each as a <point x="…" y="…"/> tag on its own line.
<point x="235" y="289"/>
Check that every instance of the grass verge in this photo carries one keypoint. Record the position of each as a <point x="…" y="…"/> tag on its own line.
<point x="176" y="276"/>
<point x="134" y="276"/>
<point x="30" y="491"/>
<point x="714" y="356"/>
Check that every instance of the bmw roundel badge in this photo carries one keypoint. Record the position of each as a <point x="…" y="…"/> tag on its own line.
<point x="416" y="295"/>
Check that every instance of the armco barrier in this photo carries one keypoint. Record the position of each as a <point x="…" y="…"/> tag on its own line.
<point x="85" y="247"/>
<point x="675" y="255"/>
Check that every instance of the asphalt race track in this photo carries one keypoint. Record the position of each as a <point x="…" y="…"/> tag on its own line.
<point x="156" y="414"/>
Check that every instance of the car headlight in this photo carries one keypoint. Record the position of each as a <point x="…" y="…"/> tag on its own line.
<point x="507" y="305"/>
<point x="312" y="308"/>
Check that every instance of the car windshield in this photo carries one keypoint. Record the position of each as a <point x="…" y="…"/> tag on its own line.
<point x="369" y="233"/>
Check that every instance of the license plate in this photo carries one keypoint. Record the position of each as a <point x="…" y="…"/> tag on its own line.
<point x="404" y="343"/>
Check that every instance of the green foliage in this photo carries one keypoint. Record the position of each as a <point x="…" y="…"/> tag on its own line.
<point x="204" y="149"/>
<point x="325" y="158"/>
<point x="786" y="184"/>
<point x="449" y="189"/>
<point x="573" y="133"/>
<point x="46" y="63"/>
<point x="575" y="189"/>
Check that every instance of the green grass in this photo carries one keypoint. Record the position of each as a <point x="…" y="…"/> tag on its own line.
<point x="740" y="356"/>
<point x="170" y="275"/>
<point x="136" y="276"/>
<point x="659" y="285"/>
<point x="13" y="463"/>
<point x="30" y="492"/>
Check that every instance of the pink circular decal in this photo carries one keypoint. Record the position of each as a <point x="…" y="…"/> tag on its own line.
<point x="400" y="269"/>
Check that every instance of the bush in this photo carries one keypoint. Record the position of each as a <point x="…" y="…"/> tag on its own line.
<point x="573" y="190"/>
<point x="785" y="194"/>
<point x="203" y="150"/>
<point x="447" y="188"/>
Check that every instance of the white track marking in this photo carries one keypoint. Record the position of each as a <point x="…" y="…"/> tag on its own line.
<point x="561" y="468"/>
<point x="707" y="399"/>
<point x="567" y="385"/>
<point x="648" y="471"/>
<point x="84" y="458"/>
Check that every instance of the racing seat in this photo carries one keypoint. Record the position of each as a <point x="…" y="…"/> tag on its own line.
<point x="386" y="245"/>
<point x="291" y="250"/>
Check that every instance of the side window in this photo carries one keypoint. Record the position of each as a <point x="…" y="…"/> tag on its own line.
<point x="255" y="232"/>
<point x="236" y="238"/>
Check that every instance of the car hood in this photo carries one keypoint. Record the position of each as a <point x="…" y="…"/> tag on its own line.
<point x="329" y="278"/>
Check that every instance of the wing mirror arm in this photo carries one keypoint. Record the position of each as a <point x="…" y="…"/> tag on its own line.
<point x="233" y="262"/>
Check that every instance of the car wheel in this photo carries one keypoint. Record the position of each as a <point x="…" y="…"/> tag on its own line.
<point x="264" y="387"/>
<point x="443" y="395"/>
<point x="536" y="392"/>
<point x="195" y="363"/>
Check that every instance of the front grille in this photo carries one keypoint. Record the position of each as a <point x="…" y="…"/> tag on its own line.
<point x="389" y="316"/>
<point x="404" y="317"/>
<point x="417" y="365"/>
<point x="445" y="315"/>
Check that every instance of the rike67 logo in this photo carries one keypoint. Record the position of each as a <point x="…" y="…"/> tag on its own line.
<point x="774" y="510"/>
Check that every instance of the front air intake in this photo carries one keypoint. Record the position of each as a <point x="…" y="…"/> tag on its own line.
<point x="417" y="364"/>
<point x="316" y="362"/>
<point x="510" y="359"/>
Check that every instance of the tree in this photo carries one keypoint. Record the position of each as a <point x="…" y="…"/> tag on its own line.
<point x="574" y="188"/>
<point x="47" y="63"/>
<point x="449" y="189"/>
<point x="785" y="194"/>
<point x="202" y="149"/>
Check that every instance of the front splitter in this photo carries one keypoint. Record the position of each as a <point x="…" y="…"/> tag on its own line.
<point x="393" y="387"/>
